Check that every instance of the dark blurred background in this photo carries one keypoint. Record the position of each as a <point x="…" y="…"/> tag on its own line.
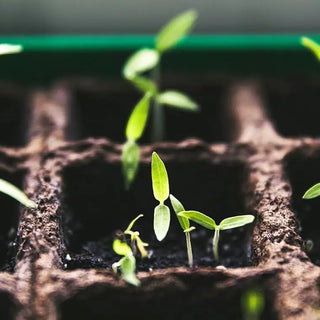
<point x="146" y="16"/>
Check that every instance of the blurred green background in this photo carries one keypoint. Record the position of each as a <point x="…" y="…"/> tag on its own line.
<point x="146" y="16"/>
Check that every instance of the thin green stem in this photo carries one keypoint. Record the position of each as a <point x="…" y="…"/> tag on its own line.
<point x="157" y="110"/>
<point x="215" y="243"/>
<point x="189" y="249"/>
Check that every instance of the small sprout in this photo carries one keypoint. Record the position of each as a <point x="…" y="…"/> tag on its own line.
<point x="135" y="127"/>
<point x="209" y="223"/>
<point x="127" y="264"/>
<point x="312" y="45"/>
<point x="185" y="225"/>
<point x="136" y="241"/>
<point x="313" y="192"/>
<point x="252" y="302"/>
<point x="9" y="48"/>
<point x="147" y="59"/>
<point x="14" y="192"/>
<point x="160" y="185"/>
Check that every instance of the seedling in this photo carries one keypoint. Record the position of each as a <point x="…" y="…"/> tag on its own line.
<point x="160" y="186"/>
<point x="127" y="263"/>
<point x="252" y="302"/>
<point x="185" y="225"/>
<point x="147" y="59"/>
<point x="14" y="192"/>
<point x="209" y="223"/>
<point x="134" y="130"/>
<point x="136" y="241"/>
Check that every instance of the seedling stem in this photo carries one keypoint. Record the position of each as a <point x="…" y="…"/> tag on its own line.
<point x="189" y="249"/>
<point x="216" y="243"/>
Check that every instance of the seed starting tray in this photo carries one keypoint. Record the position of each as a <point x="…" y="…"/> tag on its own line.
<point x="56" y="143"/>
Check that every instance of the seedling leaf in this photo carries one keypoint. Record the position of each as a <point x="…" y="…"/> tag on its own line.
<point x="178" y="207"/>
<point x="235" y="222"/>
<point x="9" y="48"/>
<point x="130" y="161"/>
<point x="312" y="45"/>
<point x="160" y="181"/>
<point x="161" y="221"/>
<point x="199" y="218"/>
<point x="145" y="85"/>
<point x="175" y="30"/>
<point x="313" y="192"/>
<point x="121" y="248"/>
<point x="141" y="61"/>
<point x="128" y="269"/>
<point x="11" y="190"/>
<point x="177" y="99"/>
<point x="138" y="118"/>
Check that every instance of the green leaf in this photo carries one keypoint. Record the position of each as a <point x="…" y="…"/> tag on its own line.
<point x="130" y="162"/>
<point x="9" y="48"/>
<point x="235" y="222"/>
<point x="145" y="85"/>
<point x="175" y="30"/>
<point x="133" y="222"/>
<point x="128" y="269"/>
<point x="138" y="118"/>
<point x="121" y="248"/>
<point x="199" y="218"/>
<point x="11" y="190"/>
<point x="161" y="222"/>
<point x="160" y="181"/>
<point x="178" y="207"/>
<point x="141" y="61"/>
<point x="313" y="192"/>
<point x="178" y="100"/>
<point x="312" y="45"/>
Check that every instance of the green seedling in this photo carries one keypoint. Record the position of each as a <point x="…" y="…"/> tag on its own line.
<point x="9" y="48"/>
<point x="147" y="59"/>
<point x="134" y="129"/>
<point x="185" y="225"/>
<point x="14" y="192"/>
<point x="252" y="302"/>
<point x="136" y="241"/>
<point x="209" y="223"/>
<point x="160" y="186"/>
<point x="127" y="263"/>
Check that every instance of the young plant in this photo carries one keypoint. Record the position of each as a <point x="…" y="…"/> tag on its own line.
<point x="127" y="263"/>
<point x="209" y="223"/>
<point x="136" y="241"/>
<point x="185" y="225"/>
<point x="160" y="186"/>
<point x="147" y="59"/>
<point x="252" y="302"/>
<point x="15" y="193"/>
<point x="134" y="130"/>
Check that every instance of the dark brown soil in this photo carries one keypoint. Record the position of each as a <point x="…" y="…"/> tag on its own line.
<point x="224" y="161"/>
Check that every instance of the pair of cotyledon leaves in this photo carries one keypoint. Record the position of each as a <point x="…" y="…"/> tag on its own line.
<point x="160" y="185"/>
